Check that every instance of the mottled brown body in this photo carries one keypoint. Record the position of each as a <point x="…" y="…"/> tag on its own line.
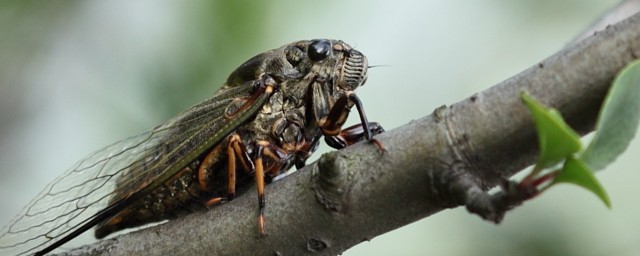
<point x="309" y="95"/>
<point x="268" y="116"/>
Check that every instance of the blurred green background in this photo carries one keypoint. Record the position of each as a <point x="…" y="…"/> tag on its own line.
<point x="78" y="75"/>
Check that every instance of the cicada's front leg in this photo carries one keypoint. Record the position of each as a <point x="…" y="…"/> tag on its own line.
<point x="352" y="134"/>
<point x="331" y="118"/>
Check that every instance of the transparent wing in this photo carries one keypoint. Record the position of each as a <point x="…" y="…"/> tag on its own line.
<point x="117" y="171"/>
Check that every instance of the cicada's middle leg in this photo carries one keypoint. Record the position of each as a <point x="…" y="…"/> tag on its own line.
<point x="236" y="152"/>
<point x="275" y="156"/>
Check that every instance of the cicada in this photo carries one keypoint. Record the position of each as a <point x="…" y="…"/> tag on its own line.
<point x="268" y="116"/>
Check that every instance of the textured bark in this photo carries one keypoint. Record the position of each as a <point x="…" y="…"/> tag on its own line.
<point x="355" y="194"/>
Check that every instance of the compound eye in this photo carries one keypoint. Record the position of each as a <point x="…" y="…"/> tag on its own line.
<point x="319" y="50"/>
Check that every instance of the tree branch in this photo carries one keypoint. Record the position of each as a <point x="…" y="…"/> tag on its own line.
<point x="353" y="195"/>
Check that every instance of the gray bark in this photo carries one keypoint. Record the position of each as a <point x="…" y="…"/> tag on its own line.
<point x="358" y="193"/>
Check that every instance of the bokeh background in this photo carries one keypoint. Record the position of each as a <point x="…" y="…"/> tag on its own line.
<point x="78" y="75"/>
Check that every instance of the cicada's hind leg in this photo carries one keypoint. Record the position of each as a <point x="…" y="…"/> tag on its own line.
<point x="235" y="153"/>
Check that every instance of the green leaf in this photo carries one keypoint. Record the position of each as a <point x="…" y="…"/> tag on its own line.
<point x="577" y="172"/>
<point x="557" y="140"/>
<point x="618" y="120"/>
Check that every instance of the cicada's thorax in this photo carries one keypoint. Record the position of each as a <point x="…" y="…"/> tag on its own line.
<point x="287" y="120"/>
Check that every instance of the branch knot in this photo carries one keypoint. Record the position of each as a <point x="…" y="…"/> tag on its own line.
<point x="331" y="182"/>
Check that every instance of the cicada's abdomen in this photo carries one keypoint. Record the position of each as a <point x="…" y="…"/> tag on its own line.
<point x="180" y="195"/>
